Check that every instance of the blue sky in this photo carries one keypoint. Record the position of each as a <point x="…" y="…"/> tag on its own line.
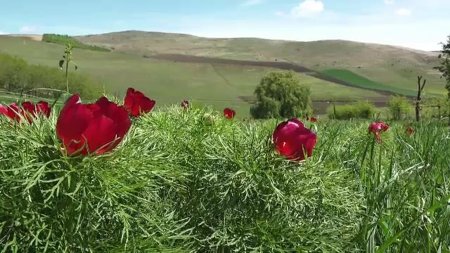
<point x="419" y="24"/>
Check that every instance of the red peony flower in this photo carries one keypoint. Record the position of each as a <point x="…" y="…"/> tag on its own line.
<point x="229" y="113"/>
<point x="293" y="140"/>
<point x="31" y="110"/>
<point x="137" y="103"/>
<point x="409" y="131"/>
<point x="11" y="111"/>
<point x="185" y="104"/>
<point x="313" y="119"/>
<point x="377" y="128"/>
<point x="91" y="128"/>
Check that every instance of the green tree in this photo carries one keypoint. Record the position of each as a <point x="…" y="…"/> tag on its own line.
<point x="444" y="66"/>
<point x="280" y="94"/>
<point x="399" y="107"/>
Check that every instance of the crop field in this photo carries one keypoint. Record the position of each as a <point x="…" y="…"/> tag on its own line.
<point x="193" y="181"/>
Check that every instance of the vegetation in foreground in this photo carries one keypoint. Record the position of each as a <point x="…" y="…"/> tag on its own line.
<point x="190" y="180"/>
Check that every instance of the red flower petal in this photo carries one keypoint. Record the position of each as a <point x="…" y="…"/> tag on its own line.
<point x="3" y="110"/>
<point x="229" y="113"/>
<point x="43" y="108"/>
<point x="100" y="135"/>
<point x="137" y="103"/>
<point x="12" y="111"/>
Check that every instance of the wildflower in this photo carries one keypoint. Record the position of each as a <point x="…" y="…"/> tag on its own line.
<point x="229" y="113"/>
<point x="91" y="128"/>
<point x="11" y="111"/>
<point x="136" y="103"/>
<point x="377" y="128"/>
<point x="312" y="119"/>
<point x="409" y="131"/>
<point x="28" y="110"/>
<point x="293" y="140"/>
<point x="31" y="110"/>
<point x="185" y="104"/>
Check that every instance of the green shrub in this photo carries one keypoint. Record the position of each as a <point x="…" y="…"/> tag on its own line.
<point x="280" y="94"/>
<point x="361" y="110"/>
<point x="65" y="39"/>
<point x="399" y="107"/>
<point x="435" y="107"/>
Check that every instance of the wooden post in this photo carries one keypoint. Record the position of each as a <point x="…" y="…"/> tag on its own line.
<point x="420" y="86"/>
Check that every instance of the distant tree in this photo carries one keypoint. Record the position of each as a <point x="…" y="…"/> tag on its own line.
<point x="280" y="94"/>
<point x="444" y="68"/>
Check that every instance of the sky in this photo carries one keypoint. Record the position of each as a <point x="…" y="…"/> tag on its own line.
<point x="417" y="24"/>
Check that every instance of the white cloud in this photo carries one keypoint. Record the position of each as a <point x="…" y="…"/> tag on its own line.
<point x="403" y="12"/>
<point x="308" y="8"/>
<point x="28" y="29"/>
<point x="251" y="2"/>
<point x="1" y="32"/>
<point x="389" y="2"/>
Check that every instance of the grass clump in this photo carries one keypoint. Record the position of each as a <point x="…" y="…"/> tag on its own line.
<point x="358" y="110"/>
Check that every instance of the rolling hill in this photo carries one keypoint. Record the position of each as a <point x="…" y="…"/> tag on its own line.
<point x="224" y="72"/>
<point x="394" y="67"/>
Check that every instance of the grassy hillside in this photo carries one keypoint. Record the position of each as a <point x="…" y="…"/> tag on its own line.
<point x="167" y="81"/>
<point x="385" y="65"/>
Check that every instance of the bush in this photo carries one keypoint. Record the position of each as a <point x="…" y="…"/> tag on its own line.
<point x="399" y="107"/>
<point x="65" y="39"/>
<point x="435" y="107"/>
<point x="279" y="94"/>
<point x="361" y="110"/>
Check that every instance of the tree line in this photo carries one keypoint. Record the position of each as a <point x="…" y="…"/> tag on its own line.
<point x="66" y="39"/>
<point x="17" y="76"/>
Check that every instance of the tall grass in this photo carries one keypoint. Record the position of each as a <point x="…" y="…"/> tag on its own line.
<point x="191" y="181"/>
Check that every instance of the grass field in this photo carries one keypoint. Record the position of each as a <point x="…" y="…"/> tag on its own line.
<point x="363" y="82"/>
<point x="192" y="181"/>
<point x="170" y="82"/>
<point x="393" y="67"/>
